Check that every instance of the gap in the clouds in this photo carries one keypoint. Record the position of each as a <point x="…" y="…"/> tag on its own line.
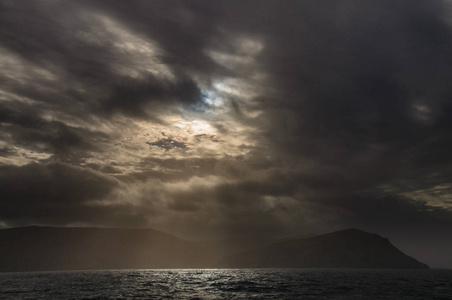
<point x="211" y="99"/>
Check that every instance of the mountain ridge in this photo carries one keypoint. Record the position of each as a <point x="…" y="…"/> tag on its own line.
<point x="349" y="248"/>
<point x="43" y="248"/>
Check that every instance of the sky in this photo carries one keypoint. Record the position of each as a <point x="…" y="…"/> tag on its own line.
<point x="218" y="119"/>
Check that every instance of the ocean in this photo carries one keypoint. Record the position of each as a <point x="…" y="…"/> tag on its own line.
<point x="229" y="284"/>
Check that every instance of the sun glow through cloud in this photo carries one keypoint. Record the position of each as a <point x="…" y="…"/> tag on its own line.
<point x="196" y="127"/>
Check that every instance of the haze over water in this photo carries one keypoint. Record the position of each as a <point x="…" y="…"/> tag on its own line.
<point x="229" y="284"/>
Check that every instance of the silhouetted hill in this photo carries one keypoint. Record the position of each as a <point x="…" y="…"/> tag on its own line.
<point x="61" y="248"/>
<point x="218" y="249"/>
<point x="351" y="248"/>
<point x="38" y="248"/>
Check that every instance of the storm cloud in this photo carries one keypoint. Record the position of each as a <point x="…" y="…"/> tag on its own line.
<point x="221" y="118"/>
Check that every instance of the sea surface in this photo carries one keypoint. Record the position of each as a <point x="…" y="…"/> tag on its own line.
<point x="229" y="284"/>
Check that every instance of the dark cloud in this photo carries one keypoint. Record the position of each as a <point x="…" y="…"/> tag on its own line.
<point x="361" y="88"/>
<point x="53" y="193"/>
<point x="6" y="151"/>
<point x="27" y="129"/>
<point x="167" y="144"/>
<point x="131" y="96"/>
<point x="182" y="28"/>
<point x="65" y="38"/>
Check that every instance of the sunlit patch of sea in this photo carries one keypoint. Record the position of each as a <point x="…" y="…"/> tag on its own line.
<point x="229" y="284"/>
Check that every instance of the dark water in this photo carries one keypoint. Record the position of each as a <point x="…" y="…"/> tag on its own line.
<point x="229" y="284"/>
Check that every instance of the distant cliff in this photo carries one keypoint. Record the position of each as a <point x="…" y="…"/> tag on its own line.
<point x="60" y="248"/>
<point x="351" y="248"/>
